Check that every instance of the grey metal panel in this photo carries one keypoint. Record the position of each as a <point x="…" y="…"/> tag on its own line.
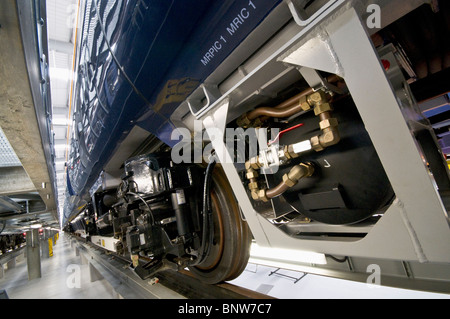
<point x="379" y="108"/>
<point x="411" y="238"/>
<point x="8" y="205"/>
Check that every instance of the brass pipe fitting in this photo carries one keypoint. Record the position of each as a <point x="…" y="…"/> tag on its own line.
<point x="252" y="176"/>
<point x="289" y="180"/>
<point x="330" y="134"/>
<point x="328" y="125"/>
<point x="297" y="173"/>
<point x="289" y="152"/>
<point x="245" y="121"/>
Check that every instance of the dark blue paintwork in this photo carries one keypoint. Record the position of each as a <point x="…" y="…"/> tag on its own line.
<point x="139" y="64"/>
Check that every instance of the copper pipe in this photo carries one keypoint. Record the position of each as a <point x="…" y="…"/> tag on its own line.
<point x="294" y="99"/>
<point x="291" y="179"/>
<point x="285" y="109"/>
<point x="324" y="116"/>
<point x="274" y="112"/>
<point x="277" y="190"/>
<point x="288" y="107"/>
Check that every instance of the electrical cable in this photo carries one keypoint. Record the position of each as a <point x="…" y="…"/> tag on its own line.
<point x="3" y="227"/>
<point x="148" y="207"/>
<point x="337" y="259"/>
<point x="283" y="132"/>
<point x="207" y="213"/>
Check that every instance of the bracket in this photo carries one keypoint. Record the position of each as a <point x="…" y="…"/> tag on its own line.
<point x="299" y="15"/>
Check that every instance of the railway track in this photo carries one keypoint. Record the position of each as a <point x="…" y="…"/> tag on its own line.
<point x="116" y="271"/>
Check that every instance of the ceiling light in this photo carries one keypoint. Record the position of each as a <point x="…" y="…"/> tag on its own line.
<point x="60" y="146"/>
<point x="286" y="255"/>
<point x="61" y="74"/>
<point x="59" y="121"/>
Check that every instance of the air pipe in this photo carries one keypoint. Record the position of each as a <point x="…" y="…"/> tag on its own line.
<point x="319" y="101"/>
<point x="283" y="110"/>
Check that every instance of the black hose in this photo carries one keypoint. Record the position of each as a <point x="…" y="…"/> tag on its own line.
<point x="209" y="208"/>
<point x="3" y="227"/>
<point x="208" y="229"/>
<point x="343" y="260"/>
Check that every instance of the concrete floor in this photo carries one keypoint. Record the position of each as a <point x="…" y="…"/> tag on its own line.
<point x="63" y="277"/>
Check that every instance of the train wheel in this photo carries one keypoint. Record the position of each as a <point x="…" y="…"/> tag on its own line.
<point x="230" y="251"/>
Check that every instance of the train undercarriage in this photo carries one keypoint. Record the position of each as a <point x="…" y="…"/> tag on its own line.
<point x="289" y="149"/>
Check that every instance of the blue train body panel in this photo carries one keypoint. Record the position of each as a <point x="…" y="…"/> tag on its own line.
<point x="138" y="60"/>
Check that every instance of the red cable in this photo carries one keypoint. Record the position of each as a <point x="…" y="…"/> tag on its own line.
<point x="285" y="131"/>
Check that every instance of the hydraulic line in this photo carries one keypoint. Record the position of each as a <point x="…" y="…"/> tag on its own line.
<point x="277" y="190"/>
<point x="291" y="179"/>
<point x="285" y="109"/>
<point x="275" y="112"/>
<point x="208" y="227"/>
<point x="145" y="203"/>
<point x="319" y="102"/>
